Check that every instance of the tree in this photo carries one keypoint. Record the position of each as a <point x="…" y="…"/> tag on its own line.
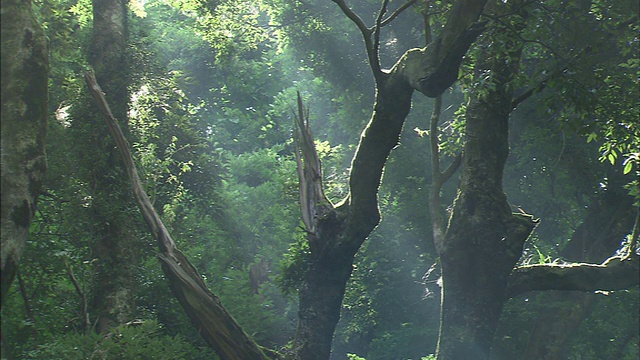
<point x="336" y="232"/>
<point x="110" y="224"/>
<point x="484" y="239"/>
<point x="25" y="68"/>
<point x="192" y="137"/>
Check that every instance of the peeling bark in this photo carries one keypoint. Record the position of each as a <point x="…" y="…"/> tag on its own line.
<point x="216" y="326"/>
<point x="25" y="68"/>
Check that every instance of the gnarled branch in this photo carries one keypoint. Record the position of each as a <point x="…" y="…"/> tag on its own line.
<point x="614" y="273"/>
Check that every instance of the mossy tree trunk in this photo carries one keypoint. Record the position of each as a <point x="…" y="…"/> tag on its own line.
<point x="484" y="239"/>
<point x="25" y="68"/>
<point x="112" y="230"/>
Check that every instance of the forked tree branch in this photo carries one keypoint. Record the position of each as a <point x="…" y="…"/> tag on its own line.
<point x="398" y="11"/>
<point x="372" y="56"/>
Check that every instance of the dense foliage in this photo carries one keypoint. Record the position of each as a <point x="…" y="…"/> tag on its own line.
<point x="211" y="112"/>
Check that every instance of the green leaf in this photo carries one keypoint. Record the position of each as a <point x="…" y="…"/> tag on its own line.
<point x="628" y="166"/>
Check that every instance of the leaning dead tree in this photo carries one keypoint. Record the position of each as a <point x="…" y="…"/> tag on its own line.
<point x="216" y="326"/>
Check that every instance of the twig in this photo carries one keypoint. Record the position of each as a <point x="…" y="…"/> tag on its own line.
<point x="398" y="11"/>
<point x="374" y="61"/>
<point x="86" y="324"/>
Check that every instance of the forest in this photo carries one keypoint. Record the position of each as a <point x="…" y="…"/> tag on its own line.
<point x="320" y="179"/>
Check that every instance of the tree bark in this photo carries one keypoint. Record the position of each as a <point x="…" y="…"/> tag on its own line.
<point x="25" y="68"/>
<point x="484" y="239"/>
<point x="339" y="230"/>
<point x="112" y="230"/>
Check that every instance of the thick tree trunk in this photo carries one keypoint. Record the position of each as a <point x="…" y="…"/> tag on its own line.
<point x="25" y="67"/>
<point x="113" y="231"/>
<point x="484" y="239"/>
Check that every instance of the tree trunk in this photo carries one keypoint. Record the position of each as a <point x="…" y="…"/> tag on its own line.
<point x="484" y="239"/>
<point x="25" y="68"/>
<point x="113" y="230"/>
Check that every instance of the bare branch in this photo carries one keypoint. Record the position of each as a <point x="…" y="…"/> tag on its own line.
<point x="614" y="273"/>
<point x="372" y="54"/>
<point x="398" y="11"/>
<point x="376" y="35"/>
<point x="451" y="169"/>
<point x="354" y="17"/>
<point x="543" y="83"/>
<point x="86" y="324"/>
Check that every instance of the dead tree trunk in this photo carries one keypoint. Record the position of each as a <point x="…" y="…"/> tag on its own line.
<point x="216" y="326"/>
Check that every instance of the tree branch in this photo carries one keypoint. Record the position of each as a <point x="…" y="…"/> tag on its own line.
<point x="433" y="69"/>
<point x="86" y="324"/>
<point x="543" y="83"/>
<point x="372" y="55"/>
<point x="376" y="35"/>
<point x="395" y="14"/>
<point x="613" y="274"/>
<point x="451" y="169"/>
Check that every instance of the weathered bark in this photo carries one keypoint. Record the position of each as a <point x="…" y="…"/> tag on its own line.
<point x="112" y="229"/>
<point x="484" y="239"/>
<point x="608" y="220"/>
<point x="25" y="68"/>
<point x="216" y="326"/>
<point x="341" y="229"/>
